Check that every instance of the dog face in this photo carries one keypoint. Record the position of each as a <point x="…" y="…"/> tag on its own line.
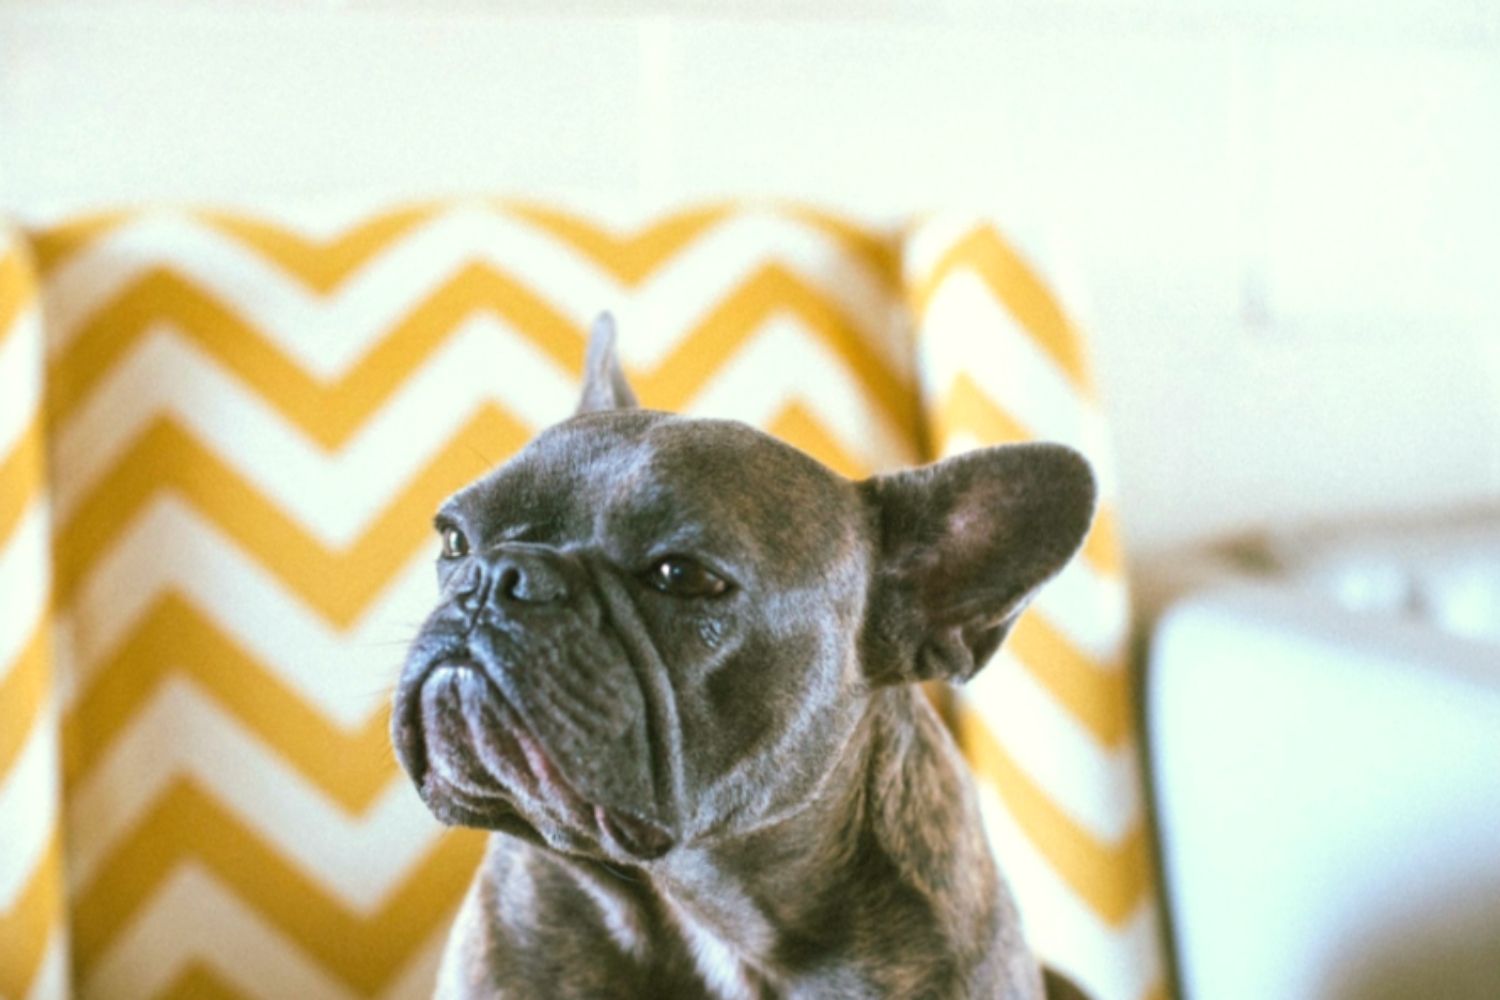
<point x="626" y="617"/>
<point x="655" y="630"/>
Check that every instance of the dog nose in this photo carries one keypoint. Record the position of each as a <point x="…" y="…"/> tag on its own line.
<point x="528" y="579"/>
<point x="512" y="576"/>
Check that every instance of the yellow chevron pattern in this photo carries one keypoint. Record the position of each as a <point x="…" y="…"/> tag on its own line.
<point x="1048" y="726"/>
<point x="225" y="475"/>
<point x="33" y="926"/>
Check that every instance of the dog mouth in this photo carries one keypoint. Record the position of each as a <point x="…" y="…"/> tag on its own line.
<point x="472" y="747"/>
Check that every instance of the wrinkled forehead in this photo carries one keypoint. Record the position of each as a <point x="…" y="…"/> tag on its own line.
<point x="664" y="478"/>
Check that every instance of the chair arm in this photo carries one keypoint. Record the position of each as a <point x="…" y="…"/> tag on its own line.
<point x="1328" y="794"/>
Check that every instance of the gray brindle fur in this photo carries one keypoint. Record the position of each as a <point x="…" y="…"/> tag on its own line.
<point x="673" y="667"/>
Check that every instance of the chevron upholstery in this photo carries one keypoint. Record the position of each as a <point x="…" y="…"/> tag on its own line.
<point x="33" y="924"/>
<point x="221" y="440"/>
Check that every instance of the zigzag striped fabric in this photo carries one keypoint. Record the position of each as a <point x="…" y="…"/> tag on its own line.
<point x="33" y="923"/>
<point x="1047" y="726"/>
<point x="219" y="455"/>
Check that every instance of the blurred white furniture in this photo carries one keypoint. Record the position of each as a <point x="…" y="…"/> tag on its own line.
<point x="1325" y="741"/>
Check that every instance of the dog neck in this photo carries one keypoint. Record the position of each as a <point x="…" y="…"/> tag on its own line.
<point x="865" y="868"/>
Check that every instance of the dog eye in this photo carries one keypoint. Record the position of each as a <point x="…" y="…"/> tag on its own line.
<point x="455" y="545"/>
<point x="683" y="577"/>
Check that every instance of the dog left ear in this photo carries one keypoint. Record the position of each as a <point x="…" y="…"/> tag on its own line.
<point x="604" y="385"/>
<point x="962" y="546"/>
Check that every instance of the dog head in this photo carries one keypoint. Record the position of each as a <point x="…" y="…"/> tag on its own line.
<point x="655" y="630"/>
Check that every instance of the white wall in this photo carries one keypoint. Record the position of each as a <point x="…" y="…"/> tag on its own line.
<point x="1284" y="212"/>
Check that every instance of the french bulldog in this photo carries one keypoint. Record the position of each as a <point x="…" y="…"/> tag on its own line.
<point x="674" y="667"/>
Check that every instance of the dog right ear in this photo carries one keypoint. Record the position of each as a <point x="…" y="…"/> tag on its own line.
<point x="961" y="548"/>
<point x="604" y="385"/>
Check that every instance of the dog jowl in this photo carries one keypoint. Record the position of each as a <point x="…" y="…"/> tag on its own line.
<point x="674" y="667"/>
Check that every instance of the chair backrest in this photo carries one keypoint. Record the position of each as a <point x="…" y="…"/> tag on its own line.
<point x="221" y="441"/>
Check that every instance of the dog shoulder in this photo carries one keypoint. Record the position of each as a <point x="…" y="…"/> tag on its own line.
<point x="923" y="806"/>
<point x="926" y="817"/>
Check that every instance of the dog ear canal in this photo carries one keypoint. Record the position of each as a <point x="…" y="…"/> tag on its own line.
<point x="962" y="546"/>
<point x="604" y="385"/>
